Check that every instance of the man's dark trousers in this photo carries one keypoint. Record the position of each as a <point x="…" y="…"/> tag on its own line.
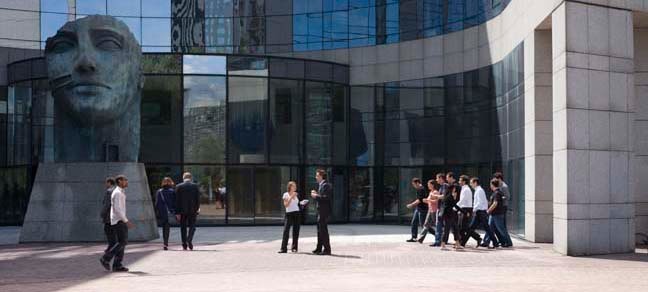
<point x="465" y="218"/>
<point x="322" y="233"/>
<point x="111" y="237"/>
<point x="117" y="250"/>
<point x="187" y="220"/>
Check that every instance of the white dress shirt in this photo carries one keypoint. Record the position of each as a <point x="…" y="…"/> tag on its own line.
<point x="481" y="204"/>
<point x="465" y="197"/>
<point x="118" y="206"/>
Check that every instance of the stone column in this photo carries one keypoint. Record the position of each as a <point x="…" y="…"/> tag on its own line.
<point x="538" y="137"/>
<point x="592" y="87"/>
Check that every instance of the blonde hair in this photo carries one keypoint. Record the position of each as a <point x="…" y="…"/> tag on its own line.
<point x="291" y="183"/>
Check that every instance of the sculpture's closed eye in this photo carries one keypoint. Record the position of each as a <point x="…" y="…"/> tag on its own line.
<point x="62" y="46"/>
<point x="109" y="44"/>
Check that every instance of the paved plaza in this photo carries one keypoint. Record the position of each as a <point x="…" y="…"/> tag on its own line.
<point x="365" y="258"/>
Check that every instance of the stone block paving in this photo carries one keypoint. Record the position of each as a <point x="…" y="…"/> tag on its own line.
<point x="366" y="258"/>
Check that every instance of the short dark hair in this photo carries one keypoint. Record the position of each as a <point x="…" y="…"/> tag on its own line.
<point x="322" y="173"/>
<point x="464" y="178"/>
<point x="416" y="180"/>
<point x="451" y="174"/>
<point x="498" y="175"/>
<point x="495" y="183"/>
<point x="120" y="178"/>
<point x="440" y="175"/>
<point x="475" y="180"/>
<point x="110" y="180"/>
<point x="434" y="183"/>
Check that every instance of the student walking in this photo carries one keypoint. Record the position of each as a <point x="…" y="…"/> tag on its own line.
<point x="165" y="208"/>
<point x="421" y="208"/>
<point x="432" y="202"/>
<point x="120" y="225"/>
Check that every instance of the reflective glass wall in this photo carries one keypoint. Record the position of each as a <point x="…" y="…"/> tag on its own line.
<point x="274" y="26"/>
<point x="245" y="125"/>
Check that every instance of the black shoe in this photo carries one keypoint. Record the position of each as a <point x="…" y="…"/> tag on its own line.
<point x="294" y="250"/>
<point x="184" y="247"/>
<point x="282" y="251"/>
<point x="190" y="246"/>
<point x="411" y="240"/>
<point x="435" y="244"/>
<point x="120" y="269"/>
<point x="316" y="251"/>
<point x="105" y="264"/>
<point x="326" y="252"/>
<point x="420" y="240"/>
<point x="165" y="247"/>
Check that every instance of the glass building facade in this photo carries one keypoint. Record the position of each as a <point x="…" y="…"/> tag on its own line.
<point x="218" y="103"/>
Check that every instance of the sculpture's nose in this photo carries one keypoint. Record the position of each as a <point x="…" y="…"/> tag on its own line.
<point x="85" y="63"/>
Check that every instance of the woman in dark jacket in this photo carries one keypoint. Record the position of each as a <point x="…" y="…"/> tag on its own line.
<point x="448" y="213"/>
<point x="165" y="207"/>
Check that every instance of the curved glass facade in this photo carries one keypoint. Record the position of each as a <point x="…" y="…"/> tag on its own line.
<point x="274" y="26"/>
<point x="244" y="125"/>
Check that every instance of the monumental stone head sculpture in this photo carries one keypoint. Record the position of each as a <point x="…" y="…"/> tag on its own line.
<point x="95" y="76"/>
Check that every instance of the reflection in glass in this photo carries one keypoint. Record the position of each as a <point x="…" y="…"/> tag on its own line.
<point x="286" y="118"/>
<point x="247" y="119"/>
<point x="252" y="66"/>
<point x="211" y="182"/>
<point x="162" y="63"/>
<point x="240" y="195"/>
<point x="319" y="114"/>
<point x="340" y="117"/>
<point x="19" y="124"/>
<point x="161" y="111"/>
<point x="156" y="34"/>
<point x="60" y="6"/>
<point x="153" y="8"/>
<point x="361" y="194"/>
<point x="204" y="119"/>
<point x="134" y="25"/>
<point x="390" y="197"/>
<point x="156" y="172"/>
<point x="50" y="23"/>
<point x="218" y="35"/>
<point x="336" y="30"/>
<point x="362" y="23"/>
<point x="90" y="7"/>
<point x="123" y="7"/>
<point x="407" y="193"/>
<point x="196" y="64"/>
<point x="269" y="186"/>
<point x="362" y="125"/>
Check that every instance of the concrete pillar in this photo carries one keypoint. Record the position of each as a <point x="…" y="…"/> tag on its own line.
<point x="538" y="147"/>
<point x="592" y="85"/>
<point x="639" y="162"/>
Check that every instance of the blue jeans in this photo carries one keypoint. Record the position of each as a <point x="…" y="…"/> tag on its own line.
<point x="496" y="222"/>
<point x="417" y="219"/>
<point x="439" y="230"/>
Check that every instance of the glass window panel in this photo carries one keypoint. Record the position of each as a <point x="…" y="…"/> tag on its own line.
<point x="286" y="121"/>
<point x="362" y="24"/>
<point x="249" y="35"/>
<point x="218" y="8"/>
<point x="336" y="30"/>
<point x="269" y="186"/>
<point x="408" y="23"/>
<point x="240" y="195"/>
<point x="211" y="183"/>
<point x="252" y="66"/>
<point x="290" y="68"/>
<point x="319" y="71"/>
<point x="432" y="17"/>
<point x="157" y="172"/>
<point x="90" y="7"/>
<point x="204" y="119"/>
<point x="161" y="110"/>
<point x="162" y="63"/>
<point x="361" y="194"/>
<point x="124" y="7"/>
<point x="391" y="23"/>
<point x="407" y="193"/>
<point x="335" y="5"/>
<point x="279" y="33"/>
<point x="314" y="35"/>
<point x="340" y="117"/>
<point x="134" y="25"/>
<point x="196" y="64"/>
<point x="318" y="128"/>
<point x="339" y="202"/>
<point x="390" y="194"/>
<point x="247" y="106"/>
<point x="279" y="7"/>
<point x="50" y="23"/>
<point x="306" y="6"/>
<point x="155" y="8"/>
<point x="218" y="35"/>
<point x="156" y="33"/>
<point x="249" y="7"/>
<point x="362" y="125"/>
<point x="300" y="32"/>
<point x="455" y="15"/>
<point x="60" y="6"/>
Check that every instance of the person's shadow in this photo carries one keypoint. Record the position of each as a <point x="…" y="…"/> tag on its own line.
<point x="333" y="255"/>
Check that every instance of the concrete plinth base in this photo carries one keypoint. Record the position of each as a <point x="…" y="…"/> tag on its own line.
<point x="66" y="200"/>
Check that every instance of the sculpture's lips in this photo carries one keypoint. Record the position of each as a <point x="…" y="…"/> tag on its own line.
<point x="89" y="84"/>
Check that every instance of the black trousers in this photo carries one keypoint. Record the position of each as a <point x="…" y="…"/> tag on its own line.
<point x="187" y="220"/>
<point x="465" y="217"/>
<point x="450" y="225"/>
<point x="116" y="251"/>
<point x="322" y="233"/>
<point x="166" y="228"/>
<point x="111" y="237"/>
<point x="292" y="219"/>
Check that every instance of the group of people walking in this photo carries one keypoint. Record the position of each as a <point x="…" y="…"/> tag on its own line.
<point x="180" y="203"/>
<point x="460" y="207"/>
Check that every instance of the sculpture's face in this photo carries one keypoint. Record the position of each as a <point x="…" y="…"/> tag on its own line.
<point x="93" y="66"/>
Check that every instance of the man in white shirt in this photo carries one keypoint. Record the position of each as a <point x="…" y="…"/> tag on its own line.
<point x="480" y="216"/>
<point x="466" y="205"/>
<point x="120" y="225"/>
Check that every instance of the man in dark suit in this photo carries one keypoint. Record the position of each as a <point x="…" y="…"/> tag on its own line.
<point x="187" y="209"/>
<point x="323" y="198"/>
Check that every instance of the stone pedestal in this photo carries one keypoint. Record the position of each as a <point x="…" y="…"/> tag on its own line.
<point x="66" y="200"/>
